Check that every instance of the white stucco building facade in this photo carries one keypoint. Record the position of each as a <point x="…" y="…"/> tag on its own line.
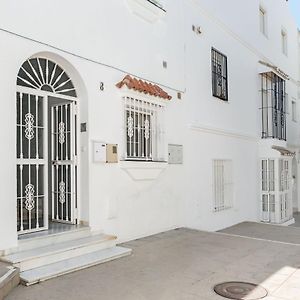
<point x="192" y="50"/>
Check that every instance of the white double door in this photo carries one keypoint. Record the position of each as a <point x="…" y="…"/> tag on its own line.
<point x="46" y="160"/>
<point x="276" y="190"/>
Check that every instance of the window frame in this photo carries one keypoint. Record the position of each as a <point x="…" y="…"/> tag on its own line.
<point x="216" y="55"/>
<point x="263" y="21"/>
<point x="156" y="129"/>
<point x="284" y="41"/>
<point x="223" y="187"/>
<point x="273" y="106"/>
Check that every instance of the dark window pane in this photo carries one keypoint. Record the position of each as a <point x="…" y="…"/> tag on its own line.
<point x="219" y="75"/>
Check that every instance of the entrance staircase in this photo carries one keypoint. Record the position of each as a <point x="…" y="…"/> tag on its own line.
<point x="9" y="279"/>
<point x="44" y="257"/>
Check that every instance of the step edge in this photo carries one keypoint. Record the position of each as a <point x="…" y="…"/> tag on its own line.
<point x="57" y="258"/>
<point x="126" y="252"/>
<point x="11" y="273"/>
<point x="25" y="241"/>
<point x="44" y="254"/>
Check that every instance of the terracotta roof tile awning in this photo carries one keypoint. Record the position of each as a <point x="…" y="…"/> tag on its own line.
<point x="283" y="151"/>
<point x="143" y="87"/>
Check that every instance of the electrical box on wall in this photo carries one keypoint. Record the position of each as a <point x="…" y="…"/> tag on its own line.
<point x="111" y="153"/>
<point x="105" y="153"/>
<point x="99" y="152"/>
<point x="175" y="153"/>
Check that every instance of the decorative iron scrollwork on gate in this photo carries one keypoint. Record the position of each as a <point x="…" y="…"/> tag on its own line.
<point x="130" y="126"/>
<point x="62" y="190"/>
<point x="61" y="129"/>
<point x="29" y="196"/>
<point x="29" y="121"/>
<point x="147" y="129"/>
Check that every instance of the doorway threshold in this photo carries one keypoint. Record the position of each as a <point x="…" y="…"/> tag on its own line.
<point x="54" y="229"/>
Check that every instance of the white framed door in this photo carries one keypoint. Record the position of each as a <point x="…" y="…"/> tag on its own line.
<point x="268" y="188"/>
<point x="64" y="164"/>
<point x="47" y="138"/>
<point x="284" y="189"/>
<point x="31" y="161"/>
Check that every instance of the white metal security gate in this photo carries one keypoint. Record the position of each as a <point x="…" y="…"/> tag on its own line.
<point x="31" y="162"/>
<point x="284" y="188"/>
<point x="46" y="145"/>
<point x="64" y="162"/>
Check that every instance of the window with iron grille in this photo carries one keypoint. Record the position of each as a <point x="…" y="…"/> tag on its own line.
<point x="222" y="184"/>
<point x="273" y="106"/>
<point x="219" y="75"/>
<point x="263" y="20"/>
<point x="144" y="130"/>
<point x="284" y="42"/>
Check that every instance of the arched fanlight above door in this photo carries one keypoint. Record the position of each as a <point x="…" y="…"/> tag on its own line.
<point x="46" y="75"/>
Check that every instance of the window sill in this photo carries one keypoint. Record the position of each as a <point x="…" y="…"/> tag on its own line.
<point x="222" y="99"/>
<point x="146" y="9"/>
<point x="224" y="209"/>
<point x="143" y="170"/>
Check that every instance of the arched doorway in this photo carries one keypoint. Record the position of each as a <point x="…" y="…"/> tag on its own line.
<point x="47" y="141"/>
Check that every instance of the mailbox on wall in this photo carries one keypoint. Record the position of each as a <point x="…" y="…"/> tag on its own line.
<point x="105" y="153"/>
<point x="175" y="153"/>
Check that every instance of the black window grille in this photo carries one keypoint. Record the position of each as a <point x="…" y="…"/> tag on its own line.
<point x="219" y="75"/>
<point x="273" y="106"/>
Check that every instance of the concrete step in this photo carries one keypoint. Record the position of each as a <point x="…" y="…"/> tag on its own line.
<point x="9" y="279"/>
<point x="72" y="264"/>
<point x="43" y="239"/>
<point x="30" y="259"/>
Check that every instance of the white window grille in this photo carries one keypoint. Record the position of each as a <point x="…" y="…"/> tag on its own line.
<point x="263" y="21"/>
<point x="284" y="206"/>
<point x="284" y="186"/>
<point x="284" y="174"/>
<point x="294" y="111"/>
<point x="284" y="45"/>
<point x="144" y="124"/>
<point x="268" y="190"/>
<point x="268" y="175"/>
<point x="268" y="204"/>
<point x="223" y="184"/>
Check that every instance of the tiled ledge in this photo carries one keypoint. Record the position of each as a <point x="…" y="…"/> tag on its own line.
<point x="146" y="9"/>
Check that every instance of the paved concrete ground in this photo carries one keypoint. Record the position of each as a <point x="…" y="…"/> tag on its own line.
<point x="297" y="219"/>
<point x="181" y="264"/>
<point x="285" y="234"/>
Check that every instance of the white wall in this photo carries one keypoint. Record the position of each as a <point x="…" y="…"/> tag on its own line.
<point x="107" y="32"/>
<point x="104" y="31"/>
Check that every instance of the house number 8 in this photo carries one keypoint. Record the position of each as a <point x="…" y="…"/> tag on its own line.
<point x="101" y="86"/>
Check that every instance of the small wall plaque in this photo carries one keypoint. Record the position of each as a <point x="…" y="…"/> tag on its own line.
<point x="175" y="154"/>
<point x="83" y="127"/>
